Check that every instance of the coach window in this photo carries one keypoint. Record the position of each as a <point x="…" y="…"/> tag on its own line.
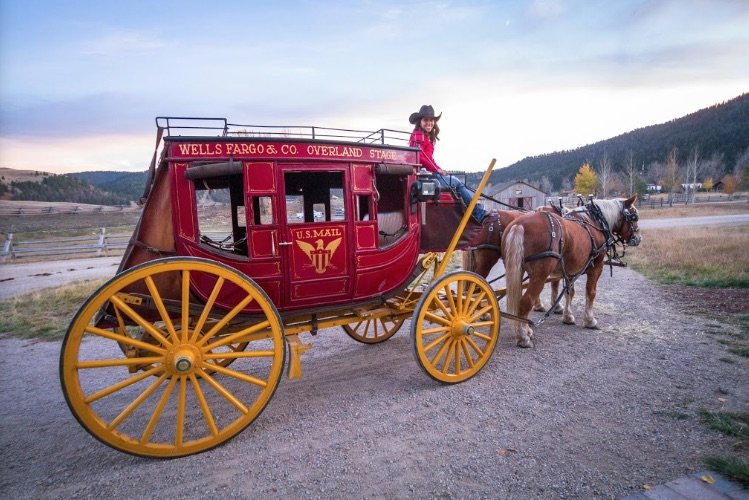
<point x="314" y="197"/>
<point x="262" y="210"/>
<point x="221" y="217"/>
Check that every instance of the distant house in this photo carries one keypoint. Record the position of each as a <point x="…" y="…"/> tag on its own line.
<point x="691" y="186"/>
<point x="516" y="194"/>
<point x="655" y="188"/>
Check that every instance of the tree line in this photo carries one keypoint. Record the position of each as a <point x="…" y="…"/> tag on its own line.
<point x="708" y="147"/>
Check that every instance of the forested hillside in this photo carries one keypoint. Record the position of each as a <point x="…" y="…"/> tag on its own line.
<point x="720" y="132"/>
<point x="98" y="188"/>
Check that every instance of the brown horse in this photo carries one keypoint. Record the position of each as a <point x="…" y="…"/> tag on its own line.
<point x="544" y="244"/>
<point x="485" y="254"/>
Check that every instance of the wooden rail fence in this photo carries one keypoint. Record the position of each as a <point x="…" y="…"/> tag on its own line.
<point x="101" y="244"/>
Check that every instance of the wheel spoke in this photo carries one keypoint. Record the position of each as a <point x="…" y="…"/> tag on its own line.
<point x="156" y="415"/>
<point x="223" y="391"/>
<point x="121" y="385"/>
<point x="466" y="352"/>
<point x="240" y="376"/>
<point x="179" y="430"/>
<point x="441" y="351"/>
<point x="474" y="346"/>
<point x="435" y="342"/>
<point x="433" y="331"/>
<point x="452" y="309"/>
<point x="480" y="313"/>
<point x="204" y="405"/>
<point x="436" y="319"/>
<point x="136" y="403"/>
<point x="124" y="339"/>
<point x="459" y="298"/>
<point x="238" y="336"/>
<point x="109" y="363"/>
<point x="207" y="308"/>
<point x="228" y="317"/>
<point x="156" y="296"/>
<point x="185" y="304"/>
<point x="475" y="303"/>
<point x="146" y="325"/>
<point x="446" y="362"/>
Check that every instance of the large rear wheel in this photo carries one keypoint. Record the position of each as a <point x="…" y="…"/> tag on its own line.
<point x="145" y="365"/>
<point x="455" y="327"/>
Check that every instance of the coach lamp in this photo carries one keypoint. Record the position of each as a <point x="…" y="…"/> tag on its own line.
<point x="425" y="188"/>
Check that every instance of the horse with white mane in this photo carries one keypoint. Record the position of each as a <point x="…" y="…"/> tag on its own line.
<point x="547" y="245"/>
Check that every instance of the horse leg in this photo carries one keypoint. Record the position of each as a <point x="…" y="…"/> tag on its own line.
<point x="594" y="273"/>
<point x="538" y="305"/>
<point x="531" y="295"/>
<point x="558" y="309"/>
<point x="567" y="317"/>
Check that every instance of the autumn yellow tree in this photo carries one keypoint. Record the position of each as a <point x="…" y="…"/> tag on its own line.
<point x="585" y="180"/>
<point x="729" y="185"/>
<point x="708" y="184"/>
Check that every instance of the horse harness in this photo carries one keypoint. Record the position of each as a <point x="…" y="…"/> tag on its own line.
<point x="595" y="251"/>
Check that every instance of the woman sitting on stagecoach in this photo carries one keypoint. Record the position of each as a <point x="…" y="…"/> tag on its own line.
<point x="424" y="136"/>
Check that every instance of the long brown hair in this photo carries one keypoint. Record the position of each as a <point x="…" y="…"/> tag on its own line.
<point x="433" y="135"/>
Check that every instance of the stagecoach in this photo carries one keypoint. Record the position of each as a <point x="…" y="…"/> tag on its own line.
<point x="253" y="239"/>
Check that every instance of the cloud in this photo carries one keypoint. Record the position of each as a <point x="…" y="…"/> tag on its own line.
<point x="121" y="42"/>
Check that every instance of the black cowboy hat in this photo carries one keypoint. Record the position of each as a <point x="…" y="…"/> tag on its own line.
<point x="426" y="111"/>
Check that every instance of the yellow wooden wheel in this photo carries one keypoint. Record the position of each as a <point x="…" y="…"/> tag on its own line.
<point x="375" y="330"/>
<point x="455" y="327"/>
<point x="144" y="364"/>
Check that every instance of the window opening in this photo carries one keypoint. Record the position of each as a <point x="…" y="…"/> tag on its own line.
<point x="314" y="197"/>
<point x="262" y="210"/>
<point x="219" y="203"/>
<point x="362" y="207"/>
<point x="391" y="209"/>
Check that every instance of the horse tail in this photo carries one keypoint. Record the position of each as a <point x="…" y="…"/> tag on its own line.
<point x="513" y="248"/>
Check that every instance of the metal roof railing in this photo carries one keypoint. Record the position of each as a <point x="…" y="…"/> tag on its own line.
<point x="175" y="126"/>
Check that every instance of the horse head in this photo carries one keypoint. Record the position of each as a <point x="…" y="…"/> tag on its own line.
<point x="626" y="227"/>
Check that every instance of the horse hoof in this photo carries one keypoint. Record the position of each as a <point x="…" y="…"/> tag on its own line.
<point x="569" y="320"/>
<point x="525" y="343"/>
<point x="559" y="310"/>
<point x="592" y="325"/>
<point x="541" y="309"/>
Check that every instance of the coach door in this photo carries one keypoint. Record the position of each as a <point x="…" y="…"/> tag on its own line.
<point x="315" y="237"/>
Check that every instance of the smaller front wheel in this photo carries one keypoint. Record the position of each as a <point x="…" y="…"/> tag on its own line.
<point x="455" y="327"/>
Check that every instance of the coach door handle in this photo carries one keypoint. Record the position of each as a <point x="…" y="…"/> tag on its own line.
<point x="284" y="244"/>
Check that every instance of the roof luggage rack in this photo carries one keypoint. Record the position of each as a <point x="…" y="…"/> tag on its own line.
<point x="175" y="126"/>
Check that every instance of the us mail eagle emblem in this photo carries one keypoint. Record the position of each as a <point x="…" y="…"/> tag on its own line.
<point x="320" y="256"/>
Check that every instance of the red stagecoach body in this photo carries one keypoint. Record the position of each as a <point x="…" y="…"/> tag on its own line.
<point x="315" y="222"/>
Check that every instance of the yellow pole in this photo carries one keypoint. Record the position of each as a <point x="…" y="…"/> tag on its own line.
<point x="464" y="221"/>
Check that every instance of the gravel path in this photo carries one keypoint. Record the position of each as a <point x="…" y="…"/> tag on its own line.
<point x="583" y="414"/>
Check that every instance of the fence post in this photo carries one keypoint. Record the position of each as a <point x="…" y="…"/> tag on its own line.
<point x="7" y="247"/>
<point x="102" y="242"/>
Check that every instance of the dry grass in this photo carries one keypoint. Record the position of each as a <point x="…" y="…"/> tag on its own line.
<point x="699" y="210"/>
<point x="44" y="314"/>
<point x="709" y="257"/>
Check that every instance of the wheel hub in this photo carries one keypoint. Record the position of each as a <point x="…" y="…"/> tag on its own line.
<point x="460" y="328"/>
<point x="184" y="359"/>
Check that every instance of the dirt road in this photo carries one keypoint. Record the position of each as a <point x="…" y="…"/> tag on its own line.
<point x="584" y="414"/>
<point x="17" y="279"/>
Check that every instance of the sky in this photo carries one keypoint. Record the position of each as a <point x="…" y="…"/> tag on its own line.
<point x="82" y="81"/>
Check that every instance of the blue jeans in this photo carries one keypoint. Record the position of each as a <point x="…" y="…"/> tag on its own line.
<point x="452" y="182"/>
